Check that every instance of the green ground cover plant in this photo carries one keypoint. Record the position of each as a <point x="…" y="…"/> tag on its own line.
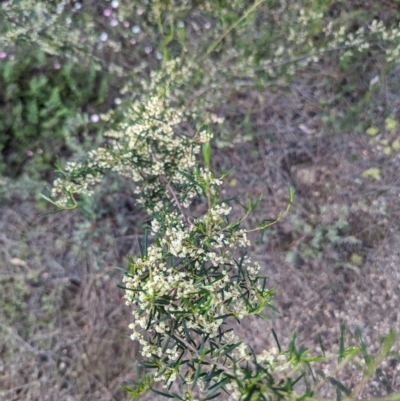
<point x="50" y="85"/>
<point x="41" y="105"/>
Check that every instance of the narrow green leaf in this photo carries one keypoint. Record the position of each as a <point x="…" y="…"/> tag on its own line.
<point x="276" y="340"/>
<point x="162" y="393"/>
<point x="206" y="150"/>
<point x="142" y="254"/>
<point x="150" y="318"/>
<point x="211" y="397"/>
<point x="230" y="348"/>
<point x="321" y="344"/>
<point x="227" y="200"/>
<point x="218" y="385"/>
<point x="146" y="241"/>
<point x="367" y="357"/>
<point x="339" y="388"/>
<point x="50" y="201"/>
<point x="196" y="376"/>
<point x="187" y="334"/>
<point x="148" y="364"/>
<point x="341" y="342"/>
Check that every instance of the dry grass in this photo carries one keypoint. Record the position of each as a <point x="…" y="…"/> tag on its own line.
<point x="63" y="323"/>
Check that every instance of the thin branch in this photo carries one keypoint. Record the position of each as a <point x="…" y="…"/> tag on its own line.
<point x="172" y="192"/>
<point x="306" y="56"/>
<point x="233" y="26"/>
<point x="177" y="201"/>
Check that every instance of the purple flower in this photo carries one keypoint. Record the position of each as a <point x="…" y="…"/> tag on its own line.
<point x="207" y="25"/>
<point x="133" y="41"/>
<point x="3" y="54"/>
<point x="148" y="49"/>
<point x="94" y="118"/>
<point x="107" y="12"/>
<point x="29" y="153"/>
<point x="126" y="24"/>
<point x="57" y="65"/>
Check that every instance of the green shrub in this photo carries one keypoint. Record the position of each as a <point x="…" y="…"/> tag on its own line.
<point x="42" y="101"/>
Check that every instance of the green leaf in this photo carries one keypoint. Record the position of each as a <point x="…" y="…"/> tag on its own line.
<point x="49" y="200"/>
<point x="218" y="385"/>
<point x="148" y="364"/>
<point x="146" y="241"/>
<point x="276" y="340"/>
<point x="162" y="393"/>
<point x="321" y="344"/>
<point x="339" y="385"/>
<point x="187" y="334"/>
<point x="196" y="376"/>
<point x="372" y="131"/>
<point x="341" y="342"/>
<point x="211" y="397"/>
<point x="206" y="150"/>
<point x="229" y="349"/>
<point x="390" y="124"/>
<point x="373" y="173"/>
<point x="367" y="357"/>
<point x="141" y="250"/>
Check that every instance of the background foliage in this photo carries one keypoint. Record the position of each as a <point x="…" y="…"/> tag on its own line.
<point x="328" y="127"/>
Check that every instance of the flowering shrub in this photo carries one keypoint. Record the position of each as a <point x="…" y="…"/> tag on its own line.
<point x="193" y="279"/>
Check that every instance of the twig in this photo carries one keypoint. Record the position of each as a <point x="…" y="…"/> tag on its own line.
<point x="306" y="56"/>
<point x="233" y="26"/>
<point x="178" y="203"/>
<point x="172" y="191"/>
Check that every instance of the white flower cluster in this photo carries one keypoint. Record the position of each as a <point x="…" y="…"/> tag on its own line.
<point x="147" y="150"/>
<point x="276" y="361"/>
<point x="174" y="301"/>
<point x="373" y="33"/>
<point x="184" y="288"/>
<point x="44" y="24"/>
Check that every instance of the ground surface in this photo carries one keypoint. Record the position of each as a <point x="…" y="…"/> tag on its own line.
<point x="334" y="258"/>
<point x="68" y="339"/>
